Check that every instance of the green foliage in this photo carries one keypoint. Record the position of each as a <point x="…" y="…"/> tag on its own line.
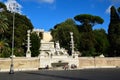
<point x="87" y="19"/>
<point x="19" y="52"/>
<point x="6" y="52"/>
<point x="87" y="36"/>
<point x="4" y="49"/>
<point x="119" y="10"/>
<point x="22" y="24"/>
<point x="102" y="43"/>
<point x="61" y="33"/>
<point x="114" y="33"/>
<point x="35" y="44"/>
<point x="114" y="17"/>
<point x="3" y="6"/>
<point x="87" y="41"/>
<point x="3" y="23"/>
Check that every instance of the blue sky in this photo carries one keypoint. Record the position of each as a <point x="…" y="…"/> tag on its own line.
<point x="44" y="14"/>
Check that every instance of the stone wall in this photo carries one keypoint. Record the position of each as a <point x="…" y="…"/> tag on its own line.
<point x="99" y="62"/>
<point x="19" y="64"/>
<point x="34" y="63"/>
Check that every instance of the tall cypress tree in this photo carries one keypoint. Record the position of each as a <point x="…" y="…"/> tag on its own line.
<point x="114" y="33"/>
<point x="118" y="10"/>
<point x="35" y="44"/>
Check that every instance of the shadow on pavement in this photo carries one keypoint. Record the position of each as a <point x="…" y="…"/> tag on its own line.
<point x="56" y="76"/>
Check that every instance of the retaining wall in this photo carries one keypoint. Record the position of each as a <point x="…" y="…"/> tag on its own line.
<point x="99" y="62"/>
<point x="19" y="64"/>
<point x="24" y="63"/>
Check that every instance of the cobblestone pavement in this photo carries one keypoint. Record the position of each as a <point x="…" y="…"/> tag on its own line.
<point x="83" y="74"/>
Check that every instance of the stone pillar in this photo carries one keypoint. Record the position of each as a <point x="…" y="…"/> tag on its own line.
<point x="28" y="52"/>
<point x="72" y="43"/>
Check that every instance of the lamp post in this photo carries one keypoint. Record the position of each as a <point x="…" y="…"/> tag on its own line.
<point x="13" y="6"/>
<point x="12" y="66"/>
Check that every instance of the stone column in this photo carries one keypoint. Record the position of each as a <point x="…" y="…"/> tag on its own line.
<point x="28" y="52"/>
<point x="72" y="43"/>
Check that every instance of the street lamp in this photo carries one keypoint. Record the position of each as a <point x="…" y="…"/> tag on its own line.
<point x="13" y="6"/>
<point x="12" y="66"/>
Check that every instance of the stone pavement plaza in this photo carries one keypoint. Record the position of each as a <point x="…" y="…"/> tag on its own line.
<point x="83" y="74"/>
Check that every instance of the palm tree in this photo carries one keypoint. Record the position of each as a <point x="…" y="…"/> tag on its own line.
<point x="3" y="23"/>
<point x="4" y="49"/>
<point x="2" y="45"/>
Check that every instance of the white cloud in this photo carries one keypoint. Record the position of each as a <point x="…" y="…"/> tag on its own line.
<point x="115" y="1"/>
<point x="41" y="1"/>
<point x="108" y="10"/>
<point x="46" y="1"/>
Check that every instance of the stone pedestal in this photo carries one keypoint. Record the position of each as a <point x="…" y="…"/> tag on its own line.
<point x="28" y="54"/>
